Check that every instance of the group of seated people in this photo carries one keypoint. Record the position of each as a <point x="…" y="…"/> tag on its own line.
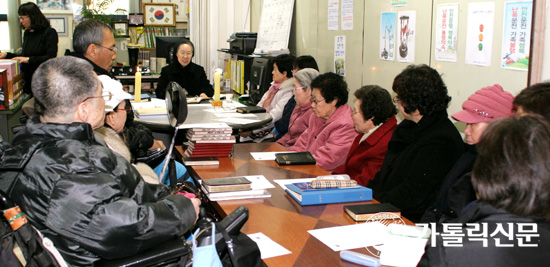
<point x="77" y="189"/>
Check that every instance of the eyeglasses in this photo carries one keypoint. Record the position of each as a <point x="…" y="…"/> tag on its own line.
<point x="315" y="101"/>
<point x="183" y="53"/>
<point x="114" y="49"/>
<point x="296" y="88"/>
<point x="106" y="96"/>
<point x="23" y="17"/>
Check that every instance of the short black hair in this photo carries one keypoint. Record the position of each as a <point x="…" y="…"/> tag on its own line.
<point x="512" y="167"/>
<point x="331" y="86"/>
<point x="376" y="103"/>
<point x="303" y="62"/>
<point x="177" y="47"/>
<point x="284" y="63"/>
<point x="420" y="87"/>
<point x="535" y="99"/>
<point x="38" y="20"/>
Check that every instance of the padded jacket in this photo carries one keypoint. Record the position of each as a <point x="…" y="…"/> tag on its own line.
<point x="192" y="78"/>
<point x="88" y="200"/>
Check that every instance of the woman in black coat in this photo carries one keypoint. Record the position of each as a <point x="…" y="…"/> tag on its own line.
<point x="39" y="42"/>
<point x="187" y="74"/>
<point x="423" y="147"/>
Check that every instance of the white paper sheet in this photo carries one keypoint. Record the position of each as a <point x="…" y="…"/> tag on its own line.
<point x="268" y="247"/>
<point x="204" y="125"/>
<point x="259" y="182"/>
<point x="234" y="115"/>
<point x="266" y="155"/>
<point x="351" y="236"/>
<point x="237" y="120"/>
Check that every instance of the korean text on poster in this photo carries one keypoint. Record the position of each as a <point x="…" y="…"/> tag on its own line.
<point x="333" y="14"/>
<point x="347" y="15"/>
<point x="479" y="35"/>
<point x="340" y="55"/>
<point x="516" y="35"/>
<point x="446" y="34"/>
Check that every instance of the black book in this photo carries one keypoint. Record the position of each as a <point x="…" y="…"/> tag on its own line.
<point x="365" y="212"/>
<point x="200" y="161"/>
<point x="251" y="109"/>
<point x="227" y="184"/>
<point x="297" y="158"/>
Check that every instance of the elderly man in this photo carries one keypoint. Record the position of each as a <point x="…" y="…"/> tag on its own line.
<point x="88" y="200"/>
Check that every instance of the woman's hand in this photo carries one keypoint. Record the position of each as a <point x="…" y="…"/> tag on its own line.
<point x="22" y="59"/>
<point x="203" y="95"/>
<point x="3" y="55"/>
<point x="156" y="145"/>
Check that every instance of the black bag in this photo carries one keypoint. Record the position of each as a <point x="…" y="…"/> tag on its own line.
<point x="241" y="250"/>
<point x="21" y="246"/>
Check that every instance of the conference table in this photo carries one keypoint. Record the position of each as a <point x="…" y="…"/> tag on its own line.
<point x="280" y="217"/>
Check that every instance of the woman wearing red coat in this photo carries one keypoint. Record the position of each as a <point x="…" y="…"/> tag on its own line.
<point x="374" y="119"/>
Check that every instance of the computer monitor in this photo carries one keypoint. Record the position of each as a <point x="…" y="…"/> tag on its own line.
<point x="260" y="78"/>
<point x="165" y="46"/>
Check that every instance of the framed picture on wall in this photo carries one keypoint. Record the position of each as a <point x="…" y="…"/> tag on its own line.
<point x="59" y="23"/>
<point x="55" y="6"/>
<point x="121" y="28"/>
<point x="136" y="19"/>
<point x="181" y="8"/>
<point x="159" y="15"/>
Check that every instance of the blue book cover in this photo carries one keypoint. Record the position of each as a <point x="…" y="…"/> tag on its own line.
<point x="327" y="196"/>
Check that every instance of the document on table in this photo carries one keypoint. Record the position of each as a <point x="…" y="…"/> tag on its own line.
<point x="237" y="120"/>
<point x="351" y="236"/>
<point x="204" y="125"/>
<point x="267" y="155"/>
<point x="268" y="247"/>
<point x="259" y="182"/>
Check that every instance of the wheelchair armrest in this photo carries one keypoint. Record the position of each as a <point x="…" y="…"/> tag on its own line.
<point x="167" y="252"/>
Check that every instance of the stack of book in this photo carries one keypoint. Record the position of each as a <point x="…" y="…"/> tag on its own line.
<point x="231" y="188"/>
<point x="209" y="142"/>
<point x="305" y="195"/>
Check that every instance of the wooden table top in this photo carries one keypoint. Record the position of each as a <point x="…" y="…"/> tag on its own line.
<point x="280" y="217"/>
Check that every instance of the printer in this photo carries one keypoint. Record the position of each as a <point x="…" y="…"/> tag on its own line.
<point x="242" y="42"/>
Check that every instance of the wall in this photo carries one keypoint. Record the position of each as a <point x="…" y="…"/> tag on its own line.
<point x="309" y="35"/>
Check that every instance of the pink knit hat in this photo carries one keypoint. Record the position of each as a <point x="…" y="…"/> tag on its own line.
<point x="485" y="105"/>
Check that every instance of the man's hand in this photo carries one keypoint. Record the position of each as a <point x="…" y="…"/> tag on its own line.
<point x="196" y="204"/>
<point x="203" y="95"/>
<point x="156" y="145"/>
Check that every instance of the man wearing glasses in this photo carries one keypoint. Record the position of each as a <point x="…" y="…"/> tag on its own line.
<point x="88" y="200"/>
<point x="94" y="41"/>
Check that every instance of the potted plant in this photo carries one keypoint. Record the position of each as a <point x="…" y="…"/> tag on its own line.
<point x="97" y="10"/>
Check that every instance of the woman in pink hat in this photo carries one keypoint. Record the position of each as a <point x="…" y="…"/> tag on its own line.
<point x="478" y="111"/>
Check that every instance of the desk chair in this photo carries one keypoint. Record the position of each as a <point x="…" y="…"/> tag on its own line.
<point x="38" y="253"/>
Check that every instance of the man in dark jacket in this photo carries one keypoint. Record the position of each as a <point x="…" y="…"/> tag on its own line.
<point x="88" y="200"/>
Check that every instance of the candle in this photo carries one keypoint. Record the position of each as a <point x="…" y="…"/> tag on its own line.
<point x="217" y="85"/>
<point x="137" y="87"/>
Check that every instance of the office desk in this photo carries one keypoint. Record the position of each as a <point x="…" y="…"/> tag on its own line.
<point x="198" y="114"/>
<point x="280" y="217"/>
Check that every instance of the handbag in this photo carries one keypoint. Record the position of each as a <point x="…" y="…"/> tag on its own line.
<point x="242" y="251"/>
<point x="207" y="255"/>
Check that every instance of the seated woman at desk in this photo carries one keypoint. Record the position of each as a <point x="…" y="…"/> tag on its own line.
<point x="281" y="126"/>
<point x="39" y="42"/>
<point x="423" y="148"/>
<point x="509" y="223"/>
<point x="330" y="132"/>
<point x="140" y="140"/>
<point x="374" y="120"/>
<point x="275" y="99"/>
<point x="187" y="74"/>
<point x="299" y="119"/>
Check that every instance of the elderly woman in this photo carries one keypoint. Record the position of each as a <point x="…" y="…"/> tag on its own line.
<point x="275" y="99"/>
<point x="480" y="109"/>
<point x="330" y="132"/>
<point x="302" y="111"/>
<point x="510" y="220"/>
<point x="189" y="75"/>
<point x="374" y="120"/>
<point x="39" y="42"/>
<point x="423" y="148"/>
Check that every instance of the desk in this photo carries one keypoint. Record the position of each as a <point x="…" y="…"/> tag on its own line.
<point x="280" y="217"/>
<point x="198" y="114"/>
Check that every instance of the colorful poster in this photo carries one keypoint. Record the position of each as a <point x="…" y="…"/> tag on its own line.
<point x="387" y="36"/>
<point x="516" y="35"/>
<point x="446" y="33"/>
<point x="406" y="28"/>
<point x="347" y="15"/>
<point x="479" y="34"/>
<point x="399" y="2"/>
<point x="340" y="55"/>
<point x="333" y="12"/>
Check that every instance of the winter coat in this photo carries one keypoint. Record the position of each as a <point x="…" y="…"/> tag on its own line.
<point x="88" y="200"/>
<point x="299" y="122"/>
<point x="192" y="78"/>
